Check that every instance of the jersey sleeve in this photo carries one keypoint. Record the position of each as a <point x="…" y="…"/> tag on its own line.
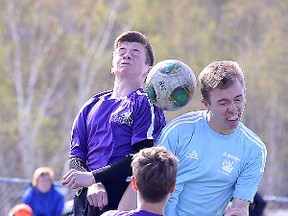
<point x="251" y="174"/>
<point x="169" y="138"/>
<point x="171" y="205"/>
<point x="148" y="120"/>
<point x="79" y="135"/>
<point x="78" y="144"/>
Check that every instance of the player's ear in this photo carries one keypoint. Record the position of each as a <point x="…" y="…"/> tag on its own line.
<point x="173" y="187"/>
<point x="134" y="183"/>
<point x="112" y="70"/>
<point x="149" y="68"/>
<point x="113" y="65"/>
<point x="205" y="103"/>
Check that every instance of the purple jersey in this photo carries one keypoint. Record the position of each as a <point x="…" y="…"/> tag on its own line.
<point x="105" y="129"/>
<point x="137" y="212"/>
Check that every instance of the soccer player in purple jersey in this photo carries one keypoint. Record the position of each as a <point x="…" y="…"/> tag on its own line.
<point x="111" y="127"/>
<point x="154" y="176"/>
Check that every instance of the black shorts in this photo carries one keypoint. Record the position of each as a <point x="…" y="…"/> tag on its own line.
<point x="115" y="190"/>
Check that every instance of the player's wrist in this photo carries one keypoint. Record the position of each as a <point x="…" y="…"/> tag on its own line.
<point x="94" y="176"/>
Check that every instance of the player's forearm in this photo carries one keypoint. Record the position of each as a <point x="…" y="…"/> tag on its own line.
<point x="80" y="176"/>
<point x="78" y="164"/>
<point x="121" y="168"/>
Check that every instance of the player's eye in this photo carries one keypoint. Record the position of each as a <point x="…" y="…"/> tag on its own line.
<point x="223" y="102"/>
<point x="121" y="51"/>
<point x="238" y="99"/>
<point x="135" y="53"/>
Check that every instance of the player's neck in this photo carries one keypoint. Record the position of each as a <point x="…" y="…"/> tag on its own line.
<point x="122" y="88"/>
<point x="156" y="208"/>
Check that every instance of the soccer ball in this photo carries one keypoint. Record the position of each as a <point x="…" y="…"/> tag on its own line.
<point x="171" y="84"/>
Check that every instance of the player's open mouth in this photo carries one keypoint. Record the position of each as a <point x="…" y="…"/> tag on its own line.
<point x="233" y="118"/>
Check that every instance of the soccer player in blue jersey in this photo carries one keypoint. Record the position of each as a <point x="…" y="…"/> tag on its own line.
<point x="111" y="127"/>
<point x="219" y="157"/>
<point x="154" y="175"/>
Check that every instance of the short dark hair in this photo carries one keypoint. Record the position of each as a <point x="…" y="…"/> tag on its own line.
<point x="155" y="171"/>
<point x="135" y="36"/>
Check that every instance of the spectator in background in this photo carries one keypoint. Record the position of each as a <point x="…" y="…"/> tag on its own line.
<point x="43" y="197"/>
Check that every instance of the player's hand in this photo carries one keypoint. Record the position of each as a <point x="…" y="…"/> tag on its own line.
<point x="237" y="208"/>
<point x="75" y="179"/>
<point x="234" y="212"/>
<point x="97" y="195"/>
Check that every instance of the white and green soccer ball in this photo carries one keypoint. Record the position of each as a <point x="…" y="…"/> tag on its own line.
<point x="171" y="84"/>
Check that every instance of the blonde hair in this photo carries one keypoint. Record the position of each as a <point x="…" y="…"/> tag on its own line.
<point x="42" y="171"/>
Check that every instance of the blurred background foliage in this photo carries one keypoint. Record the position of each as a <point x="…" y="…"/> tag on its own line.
<point x="54" y="55"/>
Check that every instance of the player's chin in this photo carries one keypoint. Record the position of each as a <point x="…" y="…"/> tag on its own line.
<point x="233" y="124"/>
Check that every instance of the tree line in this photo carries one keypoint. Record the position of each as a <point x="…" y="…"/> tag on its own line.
<point x="54" y="55"/>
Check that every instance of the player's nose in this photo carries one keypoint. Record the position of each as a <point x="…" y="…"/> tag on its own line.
<point x="232" y="107"/>
<point x="127" y="55"/>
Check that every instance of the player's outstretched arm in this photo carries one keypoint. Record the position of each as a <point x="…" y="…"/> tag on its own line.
<point x="122" y="167"/>
<point x="80" y="177"/>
